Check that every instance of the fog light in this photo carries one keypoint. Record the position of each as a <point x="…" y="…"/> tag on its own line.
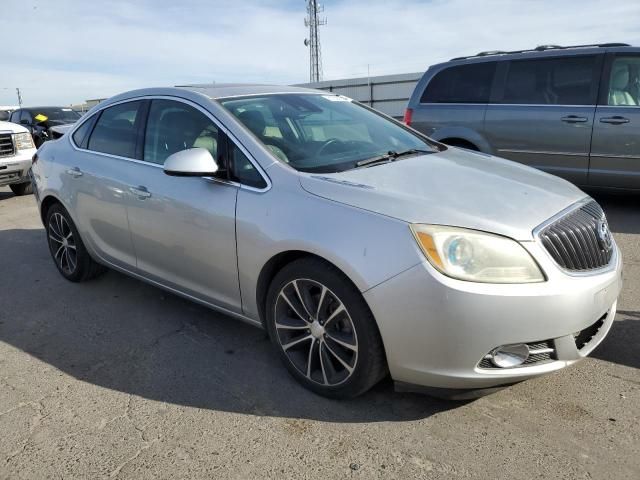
<point x="507" y="356"/>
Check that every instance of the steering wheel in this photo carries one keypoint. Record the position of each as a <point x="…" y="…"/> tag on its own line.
<point x="327" y="144"/>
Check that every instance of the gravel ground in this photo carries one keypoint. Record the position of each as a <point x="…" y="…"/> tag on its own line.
<point x="114" y="378"/>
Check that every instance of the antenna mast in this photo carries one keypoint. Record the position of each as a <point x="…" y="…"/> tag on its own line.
<point x="313" y="42"/>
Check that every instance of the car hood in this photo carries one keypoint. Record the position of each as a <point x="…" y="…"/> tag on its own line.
<point x="452" y="187"/>
<point x="8" y="127"/>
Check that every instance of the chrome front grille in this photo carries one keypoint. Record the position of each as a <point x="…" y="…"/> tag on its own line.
<point x="580" y="240"/>
<point x="6" y="145"/>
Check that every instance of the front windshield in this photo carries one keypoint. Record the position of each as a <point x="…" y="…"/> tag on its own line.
<point x="321" y="133"/>
<point x="58" y="115"/>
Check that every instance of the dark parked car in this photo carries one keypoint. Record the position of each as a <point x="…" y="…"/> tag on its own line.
<point x="571" y="111"/>
<point x="40" y="120"/>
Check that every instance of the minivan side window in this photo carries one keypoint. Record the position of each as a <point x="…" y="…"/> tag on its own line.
<point x="115" y="132"/>
<point x="552" y="81"/>
<point x="624" y="82"/>
<point x="461" y="84"/>
<point x="174" y="126"/>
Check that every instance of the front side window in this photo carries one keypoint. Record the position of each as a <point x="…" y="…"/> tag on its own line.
<point x="552" y="81"/>
<point x="321" y="133"/>
<point x="174" y="126"/>
<point x="624" y="82"/>
<point x="116" y="130"/>
<point x="461" y="84"/>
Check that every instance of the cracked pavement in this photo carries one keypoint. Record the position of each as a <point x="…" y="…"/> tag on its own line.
<point x="117" y="379"/>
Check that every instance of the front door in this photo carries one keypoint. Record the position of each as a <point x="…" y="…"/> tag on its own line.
<point x="615" y="148"/>
<point x="544" y="114"/>
<point x="183" y="228"/>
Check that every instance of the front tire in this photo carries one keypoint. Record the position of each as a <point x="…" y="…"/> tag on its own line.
<point x="20" y="189"/>
<point x="323" y="330"/>
<point x="67" y="250"/>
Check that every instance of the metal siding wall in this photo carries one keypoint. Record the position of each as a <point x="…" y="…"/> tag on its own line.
<point x="388" y="94"/>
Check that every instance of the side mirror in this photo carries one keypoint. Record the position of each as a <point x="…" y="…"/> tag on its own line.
<point x="193" y="162"/>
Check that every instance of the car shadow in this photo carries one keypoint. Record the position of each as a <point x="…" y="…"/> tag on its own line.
<point x="4" y="194"/>
<point x="125" y="335"/>
<point x="622" y="211"/>
<point x="621" y="345"/>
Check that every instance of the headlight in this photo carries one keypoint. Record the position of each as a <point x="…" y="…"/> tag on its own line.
<point x="23" y="141"/>
<point x="476" y="256"/>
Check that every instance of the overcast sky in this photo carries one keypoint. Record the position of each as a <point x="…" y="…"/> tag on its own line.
<point x="66" y="51"/>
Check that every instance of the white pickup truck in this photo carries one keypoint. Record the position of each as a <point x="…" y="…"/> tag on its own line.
<point x="16" y="151"/>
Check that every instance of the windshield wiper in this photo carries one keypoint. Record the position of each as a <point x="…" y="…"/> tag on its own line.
<point x="390" y="157"/>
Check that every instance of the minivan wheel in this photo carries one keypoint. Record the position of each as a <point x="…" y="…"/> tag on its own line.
<point x="20" y="189"/>
<point x="323" y="330"/>
<point x="66" y="247"/>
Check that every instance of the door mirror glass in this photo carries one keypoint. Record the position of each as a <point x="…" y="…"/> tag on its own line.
<point x="193" y="162"/>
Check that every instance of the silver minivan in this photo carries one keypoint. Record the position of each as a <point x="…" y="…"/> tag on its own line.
<point x="571" y="111"/>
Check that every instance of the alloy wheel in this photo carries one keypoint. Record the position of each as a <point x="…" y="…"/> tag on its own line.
<point x="62" y="243"/>
<point x="315" y="331"/>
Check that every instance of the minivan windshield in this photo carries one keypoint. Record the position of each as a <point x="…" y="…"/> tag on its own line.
<point x="323" y="133"/>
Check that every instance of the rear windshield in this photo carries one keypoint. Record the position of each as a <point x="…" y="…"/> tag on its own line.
<point x="321" y="133"/>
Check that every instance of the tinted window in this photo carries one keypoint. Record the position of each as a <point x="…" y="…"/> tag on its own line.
<point x="25" y="118"/>
<point x="462" y="84"/>
<point x="56" y="116"/>
<point x="15" y="116"/>
<point x="624" y="82"/>
<point x="174" y="126"/>
<point x="81" y="134"/>
<point x="243" y="170"/>
<point x="115" y="130"/>
<point x="555" y="81"/>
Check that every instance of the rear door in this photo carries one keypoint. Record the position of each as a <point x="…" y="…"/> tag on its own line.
<point x="542" y="115"/>
<point x="615" y="148"/>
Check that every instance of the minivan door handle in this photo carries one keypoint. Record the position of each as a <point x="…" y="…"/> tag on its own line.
<point x="616" y="120"/>
<point x="74" y="172"/>
<point x="574" y="119"/>
<point x="140" y="191"/>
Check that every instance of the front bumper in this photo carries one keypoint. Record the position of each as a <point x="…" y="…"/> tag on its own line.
<point x="436" y="330"/>
<point x="15" y="169"/>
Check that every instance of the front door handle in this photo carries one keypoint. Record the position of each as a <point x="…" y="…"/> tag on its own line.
<point x="141" y="192"/>
<point x="617" y="120"/>
<point x="74" y="172"/>
<point x="574" y="119"/>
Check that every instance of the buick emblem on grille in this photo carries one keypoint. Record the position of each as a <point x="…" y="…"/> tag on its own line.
<point x="604" y="235"/>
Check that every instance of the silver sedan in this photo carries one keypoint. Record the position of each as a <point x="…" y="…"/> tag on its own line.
<point x="364" y="248"/>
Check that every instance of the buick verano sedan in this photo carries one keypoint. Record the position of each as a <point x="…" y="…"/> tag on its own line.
<point x="364" y="248"/>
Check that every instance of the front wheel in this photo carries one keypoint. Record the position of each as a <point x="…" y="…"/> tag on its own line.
<point x="323" y="330"/>
<point x="20" y="189"/>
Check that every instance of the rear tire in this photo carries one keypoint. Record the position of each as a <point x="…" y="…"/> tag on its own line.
<point x="67" y="250"/>
<point x="323" y="330"/>
<point x="20" y="189"/>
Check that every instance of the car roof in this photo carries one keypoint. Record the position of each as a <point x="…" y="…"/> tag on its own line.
<point x="542" y="52"/>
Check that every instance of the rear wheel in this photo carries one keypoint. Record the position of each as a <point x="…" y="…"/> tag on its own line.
<point x="323" y="330"/>
<point x="66" y="247"/>
<point x="20" y="189"/>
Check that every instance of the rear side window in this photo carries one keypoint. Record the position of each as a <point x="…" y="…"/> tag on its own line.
<point x="461" y="84"/>
<point x="116" y="130"/>
<point x="81" y="135"/>
<point x="553" y="81"/>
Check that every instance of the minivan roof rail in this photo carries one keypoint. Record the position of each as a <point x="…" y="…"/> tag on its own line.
<point x="541" y="48"/>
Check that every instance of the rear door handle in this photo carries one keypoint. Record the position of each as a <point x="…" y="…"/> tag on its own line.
<point x="74" y="172"/>
<point x="617" y="120"/>
<point x="574" y="119"/>
<point x="141" y="192"/>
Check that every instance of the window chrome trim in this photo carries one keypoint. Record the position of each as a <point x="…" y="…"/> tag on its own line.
<point x="491" y="104"/>
<point x="198" y="107"/>
<point x="597" y="271"/>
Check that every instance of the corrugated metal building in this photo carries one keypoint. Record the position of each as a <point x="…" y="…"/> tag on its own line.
<point x="387" y="93"/>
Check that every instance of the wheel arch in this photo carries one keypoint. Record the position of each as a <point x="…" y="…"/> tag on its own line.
<point x="464" y="135"/>
<point x="47" y="202"/>
<point x="276" y="263"/>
